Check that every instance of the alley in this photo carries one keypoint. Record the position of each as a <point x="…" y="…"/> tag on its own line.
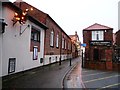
<point x="50" y="76"/>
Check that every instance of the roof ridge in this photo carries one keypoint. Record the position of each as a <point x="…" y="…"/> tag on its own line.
<point x="100" y="26"/>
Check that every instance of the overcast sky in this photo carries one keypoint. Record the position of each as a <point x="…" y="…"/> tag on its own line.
<point x="75" y="15"/>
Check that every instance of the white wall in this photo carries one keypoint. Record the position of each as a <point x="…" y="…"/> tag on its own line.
<point x="0" y="41"/>
<point x="18" y="46"/>
<point x="54" y="59"/>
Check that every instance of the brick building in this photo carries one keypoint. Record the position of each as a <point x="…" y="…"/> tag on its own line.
<point x="76" y="41"/>
<point x="117" y="46"/>
<point x="58" y="44"/>
<point x="99" y="41"/>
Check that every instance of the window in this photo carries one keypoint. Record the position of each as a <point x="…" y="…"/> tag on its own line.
<point x="35" y="53"/>
<point x="35" y="35"/>
<point x="57" y="41"/>
<point x="65" y="44"/>
<point x="62" y="42"/>
<point x="11" y="67"/>
<point x="97" y="35"/>
<point x="51" y="38"/>
<point x="68" y="46"/>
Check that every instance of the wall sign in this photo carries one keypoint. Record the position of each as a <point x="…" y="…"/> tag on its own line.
<point x="35" y="53"/>
<point x="100" y="43"/>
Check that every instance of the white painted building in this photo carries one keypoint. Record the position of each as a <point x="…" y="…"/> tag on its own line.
<point x="21" y="46"/>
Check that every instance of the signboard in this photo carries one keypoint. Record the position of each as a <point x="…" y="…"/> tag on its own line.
<point x="84" y="44"/>
<point x="100" y="43"/>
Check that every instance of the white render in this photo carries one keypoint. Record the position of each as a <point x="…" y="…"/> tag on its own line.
<point x="1" y="41"/>
<point x="54" y="59"/>
<point x="18" y="46"/>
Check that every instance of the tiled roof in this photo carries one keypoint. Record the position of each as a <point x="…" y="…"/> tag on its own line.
<point x="97" y="26"/>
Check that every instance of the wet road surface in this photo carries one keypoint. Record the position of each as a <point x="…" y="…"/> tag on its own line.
<point x="100" y="79"/>
<point x="50" y="76"/>
<point x="87" y="79"/>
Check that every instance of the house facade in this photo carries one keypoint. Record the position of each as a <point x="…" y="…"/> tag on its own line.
<point x="22" y="44"/>
<point x="99" y="46"/>
<point x="58" y="45"/>
<point x="76" y="41"/>
<point x="117" y="46"/>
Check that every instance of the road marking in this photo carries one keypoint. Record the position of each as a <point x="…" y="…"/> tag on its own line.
<point x="94" y="74"/>
<point x="109" y="86"/>
<point x="100" y="79"/>
<point x="87" y="71"/>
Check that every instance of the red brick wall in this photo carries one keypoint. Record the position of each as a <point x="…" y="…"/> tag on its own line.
<point x="108" y="35"/>
<point x="48" y="49"/>
<point x="118" y="38"/>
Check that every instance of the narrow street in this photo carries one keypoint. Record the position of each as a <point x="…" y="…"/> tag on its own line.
<point x="50" y="76"/>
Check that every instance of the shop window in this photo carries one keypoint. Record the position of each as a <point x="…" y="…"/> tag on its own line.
<point x="11" y="67"/>
<point x="35" y="53"/>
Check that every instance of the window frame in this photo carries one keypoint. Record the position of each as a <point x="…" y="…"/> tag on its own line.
<point x="57" y="41"/>
<point x="63" y="40"/>
<point x="52" y="38"/>
<point x="36" y="32"/>
<point x="97" y="35"/>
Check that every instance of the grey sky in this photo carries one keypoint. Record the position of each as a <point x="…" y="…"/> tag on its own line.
<point x="75" y="15"/>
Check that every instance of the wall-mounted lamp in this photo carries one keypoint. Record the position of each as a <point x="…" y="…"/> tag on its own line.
<point x="21" y="17"/>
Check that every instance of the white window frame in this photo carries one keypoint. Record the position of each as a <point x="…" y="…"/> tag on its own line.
<point x="97" y="35"/>
<point x="63" y="43"/>
<point x="52" y="38"/>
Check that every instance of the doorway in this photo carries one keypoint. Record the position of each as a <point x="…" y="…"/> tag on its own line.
<point x="96" y="54"/>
